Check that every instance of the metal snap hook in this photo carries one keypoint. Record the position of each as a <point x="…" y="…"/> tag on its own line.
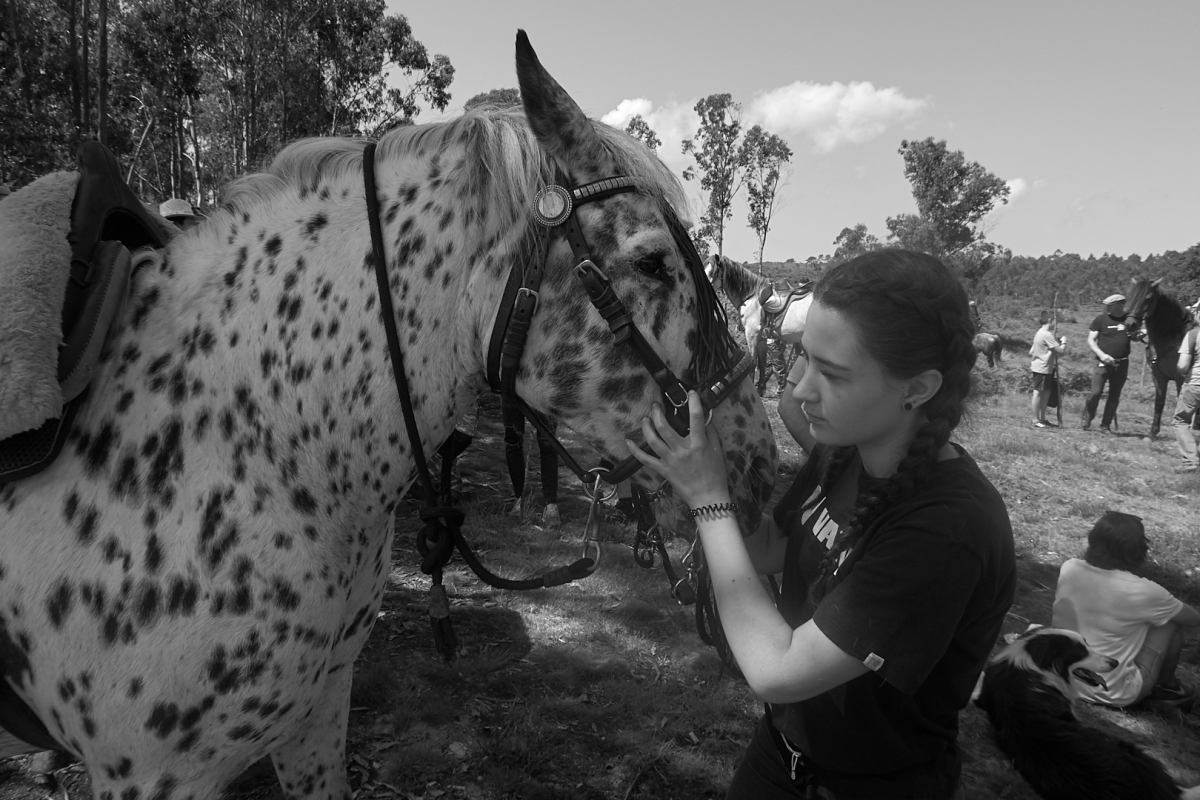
<point x="593" y="491"/>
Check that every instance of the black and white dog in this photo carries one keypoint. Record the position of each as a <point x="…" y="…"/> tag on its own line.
<point x="1027" y="693"/>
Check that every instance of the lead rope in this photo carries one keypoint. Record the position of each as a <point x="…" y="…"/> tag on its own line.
<point x="435" y="541"/>
<point x="649" y="542"/>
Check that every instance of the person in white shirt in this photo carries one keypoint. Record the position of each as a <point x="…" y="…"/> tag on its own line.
<point x="1045" y="351"/>
<point x="1124" y="616"/>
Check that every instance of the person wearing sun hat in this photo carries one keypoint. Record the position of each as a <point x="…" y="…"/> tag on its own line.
<point x="180" y="212"/>
<point x="1108" y="338"/>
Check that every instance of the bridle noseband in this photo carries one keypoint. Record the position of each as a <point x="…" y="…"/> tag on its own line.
<point x="556" y="206"/>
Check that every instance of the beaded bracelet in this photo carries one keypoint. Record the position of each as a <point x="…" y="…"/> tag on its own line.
<point x="715" y="508"/>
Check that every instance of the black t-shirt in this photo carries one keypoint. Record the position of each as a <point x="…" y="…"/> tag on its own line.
<point x="1112" y="335"/>
<point x="920" y="600"/>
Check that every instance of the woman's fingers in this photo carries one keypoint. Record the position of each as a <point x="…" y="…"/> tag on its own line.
<point x="696" y="420"/>
<point x="662" y="439"/>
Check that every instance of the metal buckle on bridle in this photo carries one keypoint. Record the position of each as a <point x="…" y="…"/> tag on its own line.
<point x="523" y="295"/>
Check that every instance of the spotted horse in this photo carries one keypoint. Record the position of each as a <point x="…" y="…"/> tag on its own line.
<point x="185" y="589"/>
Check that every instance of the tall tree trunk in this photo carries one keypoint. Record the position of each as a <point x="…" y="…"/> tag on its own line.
<point x="180" y="184"/>
<point x="136" y="150"/>
<point x="199" y="186"/>
<point x="85" y="83"/>
<point x="73" y="67"/>
<point x="26" y="89"/>
<point x="102" y="68"/>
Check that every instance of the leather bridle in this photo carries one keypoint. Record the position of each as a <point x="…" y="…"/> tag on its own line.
<point x="555" y="206"/>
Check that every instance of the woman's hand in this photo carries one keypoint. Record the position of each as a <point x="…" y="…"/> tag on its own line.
<point x="694" y="465"/>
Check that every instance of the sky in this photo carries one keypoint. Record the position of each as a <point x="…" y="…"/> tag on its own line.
<point x="1089" y="109"/>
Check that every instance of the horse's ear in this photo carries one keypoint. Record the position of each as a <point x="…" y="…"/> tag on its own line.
<point x="557" y="121"/>
<point x="1156" y="282"/>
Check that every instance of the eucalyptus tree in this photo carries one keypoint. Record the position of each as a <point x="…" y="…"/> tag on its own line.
<point x="204" y="90"/>
<point x="765" y="158"/>
<point x="639" y="129"/>
<point x="715" y="148"/>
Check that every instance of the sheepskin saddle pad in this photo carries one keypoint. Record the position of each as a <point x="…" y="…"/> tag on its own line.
<point x="65" y="241"/>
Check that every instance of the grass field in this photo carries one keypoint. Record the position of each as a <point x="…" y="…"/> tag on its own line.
<point x="602" y="689"/>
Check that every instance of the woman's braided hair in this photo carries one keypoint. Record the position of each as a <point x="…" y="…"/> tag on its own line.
<point x="911" y="315"/>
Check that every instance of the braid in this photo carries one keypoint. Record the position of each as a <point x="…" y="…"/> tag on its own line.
<point x="931" y="311"/>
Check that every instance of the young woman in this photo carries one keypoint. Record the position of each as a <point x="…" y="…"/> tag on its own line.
<point x="896" y="552"/>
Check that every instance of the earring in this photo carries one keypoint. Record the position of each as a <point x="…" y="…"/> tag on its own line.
<point x="908" y="406"/>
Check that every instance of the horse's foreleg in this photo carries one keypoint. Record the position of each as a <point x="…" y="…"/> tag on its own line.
<point x="1160" y="399"/>
<point x="313" y="763"/>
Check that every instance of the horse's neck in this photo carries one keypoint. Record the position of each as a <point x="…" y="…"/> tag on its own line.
<point x="1166" y="323"/>
<point x="740" y="286"/>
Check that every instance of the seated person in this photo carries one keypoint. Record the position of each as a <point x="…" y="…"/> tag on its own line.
<point x="1124" y="616"/>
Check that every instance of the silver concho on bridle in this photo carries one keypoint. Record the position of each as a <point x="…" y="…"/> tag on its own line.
<point x="552" y="205"/>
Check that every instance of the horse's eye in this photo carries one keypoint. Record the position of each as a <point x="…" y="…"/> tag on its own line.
<point x="651" y="265"/>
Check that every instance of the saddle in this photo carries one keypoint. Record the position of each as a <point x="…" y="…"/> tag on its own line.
<point x="772" y="320"/>
<point x="107" y="222"/>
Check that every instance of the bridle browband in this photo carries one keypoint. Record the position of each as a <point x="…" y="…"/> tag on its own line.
<point x="555" y="206"/>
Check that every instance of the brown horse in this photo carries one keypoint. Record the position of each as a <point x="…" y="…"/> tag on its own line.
<point x="1166" y="322"/>
<point x="990" y="346"/>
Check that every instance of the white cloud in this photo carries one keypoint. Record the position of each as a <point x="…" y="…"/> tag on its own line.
<point x="671" y="123"/>
<point x="626" y="110"/>
<point x="831" y="114"/>
<point x="1018" y="188"/>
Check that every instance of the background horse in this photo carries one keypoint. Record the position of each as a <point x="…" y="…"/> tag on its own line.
<point x="744" y="291"/>
<point x="990" y="346"/>
<point x="742" y="288"/>
<point x="1166" y="322"/>
<point x="187" y="587"/>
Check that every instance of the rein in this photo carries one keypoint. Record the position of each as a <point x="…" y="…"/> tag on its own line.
<point x="442" y="532"/>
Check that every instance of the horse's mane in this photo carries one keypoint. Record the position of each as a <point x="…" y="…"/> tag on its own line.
<point x="508" y="167"/>
<point x="740" y="282"/>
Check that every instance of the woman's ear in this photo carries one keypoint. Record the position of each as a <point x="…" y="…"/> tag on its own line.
<point x="922" y="387"/>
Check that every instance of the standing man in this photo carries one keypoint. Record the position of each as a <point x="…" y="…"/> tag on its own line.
<point x="1108" y="338"/>
<point x="1189" y="401"/>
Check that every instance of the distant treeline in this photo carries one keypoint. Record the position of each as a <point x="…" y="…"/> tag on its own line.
<point x="1078" y="281"/>
<point x="1083" y="281"/>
